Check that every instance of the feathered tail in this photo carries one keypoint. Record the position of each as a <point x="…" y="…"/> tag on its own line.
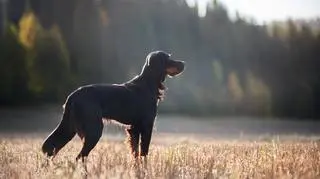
<point x="61" y="135"/>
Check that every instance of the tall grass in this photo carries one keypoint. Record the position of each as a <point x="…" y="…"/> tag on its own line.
<point x="21" y="158"/>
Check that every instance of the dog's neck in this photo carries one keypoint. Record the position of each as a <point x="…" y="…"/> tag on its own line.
<point x="154" y="87"/>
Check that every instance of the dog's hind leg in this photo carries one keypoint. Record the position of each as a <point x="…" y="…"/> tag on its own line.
<point x="91" y="132"/>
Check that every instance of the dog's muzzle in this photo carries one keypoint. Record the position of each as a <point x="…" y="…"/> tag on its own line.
<point x="175" y="68"/>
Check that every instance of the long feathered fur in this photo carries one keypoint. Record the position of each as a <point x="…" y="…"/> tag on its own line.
<point x="62" y="134"/>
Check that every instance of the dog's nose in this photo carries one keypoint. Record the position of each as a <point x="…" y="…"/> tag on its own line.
<point x="181" y="66"/>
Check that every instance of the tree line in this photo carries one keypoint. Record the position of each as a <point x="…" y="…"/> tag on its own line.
<point x="234" y="66"/>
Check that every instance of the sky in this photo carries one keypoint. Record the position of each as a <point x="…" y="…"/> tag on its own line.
<point x="268" y="10"/>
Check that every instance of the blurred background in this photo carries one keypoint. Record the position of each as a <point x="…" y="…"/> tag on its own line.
<point x="244" y="58"/>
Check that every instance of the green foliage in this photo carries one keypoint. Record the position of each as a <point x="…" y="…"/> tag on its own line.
<point x="258" y="96"/>
<point x="34" y="63"/>
<point x="47" y="59"/>
<point x="29" y="27"/>
<point x="13" y="83"/>
<point x="49" y="66"/>
<point x="107" y="41"/>
<point x="217" y="71"/>
<point x="235" y="87"/>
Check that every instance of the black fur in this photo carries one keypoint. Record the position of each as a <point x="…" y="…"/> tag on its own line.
<point x="133" y="103"/>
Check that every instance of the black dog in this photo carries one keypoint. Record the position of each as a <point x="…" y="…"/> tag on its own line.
<point x="133" y="103"/>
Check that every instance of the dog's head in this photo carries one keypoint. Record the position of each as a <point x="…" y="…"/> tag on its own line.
<point x="159" y="65"/>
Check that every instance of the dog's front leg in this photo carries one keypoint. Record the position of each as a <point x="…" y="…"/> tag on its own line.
<point x="133" y="139"/>
<point x="146" y="133"/>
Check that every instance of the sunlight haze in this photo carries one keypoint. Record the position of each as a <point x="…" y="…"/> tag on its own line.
<point x="266" y="11"/>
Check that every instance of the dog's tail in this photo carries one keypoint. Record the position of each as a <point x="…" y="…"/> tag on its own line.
<point x="62" y="134"/>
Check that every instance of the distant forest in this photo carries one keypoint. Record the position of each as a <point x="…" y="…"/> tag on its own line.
<point x="234" y="66"/>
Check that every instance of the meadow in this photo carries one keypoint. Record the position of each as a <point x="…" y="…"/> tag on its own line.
<point x="170" y="157"/>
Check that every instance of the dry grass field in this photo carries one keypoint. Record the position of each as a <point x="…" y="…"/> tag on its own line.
<point x="20" y="157"/>
<point x="182" y="147"/>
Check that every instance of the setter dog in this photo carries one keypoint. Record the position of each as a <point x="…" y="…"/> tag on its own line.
<point x="133" y="103"/>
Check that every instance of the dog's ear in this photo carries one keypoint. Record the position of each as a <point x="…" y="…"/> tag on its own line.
<point x="158" y="56"/>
